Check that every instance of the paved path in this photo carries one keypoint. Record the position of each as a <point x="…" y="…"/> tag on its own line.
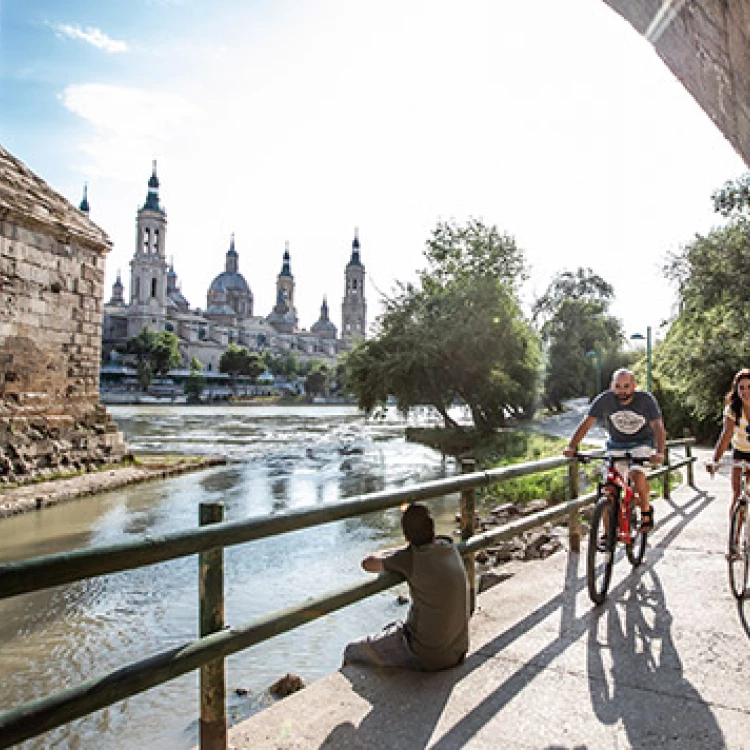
<point x="664" y="663"/>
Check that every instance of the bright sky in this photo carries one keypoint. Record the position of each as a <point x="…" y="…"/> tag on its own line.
<point x="299" y="120"/>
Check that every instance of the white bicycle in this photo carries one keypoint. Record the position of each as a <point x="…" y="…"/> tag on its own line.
<point x="738" y="549"/>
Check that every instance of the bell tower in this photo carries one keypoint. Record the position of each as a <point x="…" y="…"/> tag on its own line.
<point x="149" y="268"/>
<point x="354" y="306"/>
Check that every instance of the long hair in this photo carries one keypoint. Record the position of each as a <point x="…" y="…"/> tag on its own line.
<point x="733" y="399"/>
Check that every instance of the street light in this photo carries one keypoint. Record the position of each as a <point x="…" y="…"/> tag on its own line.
<point x="596" y="355"/>
<point x="640" y="337"/>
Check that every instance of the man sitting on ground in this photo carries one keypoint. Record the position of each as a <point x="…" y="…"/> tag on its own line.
<point x="436" y="632"/>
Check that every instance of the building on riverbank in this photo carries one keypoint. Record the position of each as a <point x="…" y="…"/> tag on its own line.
<point x="156" y="302"/>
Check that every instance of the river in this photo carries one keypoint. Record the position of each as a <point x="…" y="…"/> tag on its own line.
<point x="279" y="458"/>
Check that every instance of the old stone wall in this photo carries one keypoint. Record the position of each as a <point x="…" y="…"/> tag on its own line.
<point x="51" y="291"/>
<point x="706" y="45"/>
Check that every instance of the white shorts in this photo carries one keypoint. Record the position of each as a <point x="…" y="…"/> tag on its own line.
<point x="640" y="451"/>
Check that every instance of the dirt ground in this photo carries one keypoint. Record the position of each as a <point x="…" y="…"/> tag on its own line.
<point x="39" y="495"/>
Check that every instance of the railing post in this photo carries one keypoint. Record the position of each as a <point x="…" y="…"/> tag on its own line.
<point x="665" y="482"/>
<point x="213" y="723"/>
<point x="689" y="454"/>
<point x="574" y="519"/>
<point x="468" y="514"/>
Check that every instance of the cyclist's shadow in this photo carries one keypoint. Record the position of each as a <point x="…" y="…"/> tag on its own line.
<point x="635" y="672"/>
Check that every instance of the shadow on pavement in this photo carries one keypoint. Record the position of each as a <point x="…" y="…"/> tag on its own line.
<point x="742" y="610"/>
<point x="405" y="716"/>
<point x="635" y="673"/>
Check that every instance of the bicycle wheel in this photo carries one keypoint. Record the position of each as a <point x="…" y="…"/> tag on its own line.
<point x="739" y="551"/>
<point x="636" y="547"/>
<point x="601" y="551"/>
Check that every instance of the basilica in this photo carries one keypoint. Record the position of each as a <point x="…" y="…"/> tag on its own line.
<point x="156" y="302"/>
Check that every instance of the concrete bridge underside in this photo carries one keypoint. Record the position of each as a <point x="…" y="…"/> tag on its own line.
<point x="705" y="45"/>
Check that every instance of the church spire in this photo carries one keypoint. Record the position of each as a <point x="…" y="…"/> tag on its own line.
<point x="286" y="267"/>
<point x="355" y="261"/>
<point x="152" y="199"/>
<point x="84" y="205"/>
<point x="232" y="264"/>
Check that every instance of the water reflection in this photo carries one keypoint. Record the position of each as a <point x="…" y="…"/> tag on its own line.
<point x="280" y="459"/>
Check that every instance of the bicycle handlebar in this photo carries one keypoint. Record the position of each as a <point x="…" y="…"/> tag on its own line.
<point x="713" y="466"/>
<point x="639" y="460"/>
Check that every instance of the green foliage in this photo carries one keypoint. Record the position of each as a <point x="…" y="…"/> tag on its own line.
<point x="734" y="197"/>
<point x="710" y="340"/>
<point x="237" y="360"/>
<point x="574" y="320"/>
<point x="501" y="449"/>
<point x="194" y="386"/>
<point x="195" y="365"/>
<point x="459" y="337"/>
<point x="317" y="383"/>
<point x="155" y="353"/>
<point x="470" y="251"/>
<point x="286" y="366"/>
<point x="165" y="354"/>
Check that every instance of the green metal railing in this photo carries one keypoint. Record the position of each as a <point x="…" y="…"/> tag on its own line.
<point x="208" y="652"/>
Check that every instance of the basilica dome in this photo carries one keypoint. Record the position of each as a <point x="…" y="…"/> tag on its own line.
<point x="229" y="281"/>
<point x="229" y="293"/>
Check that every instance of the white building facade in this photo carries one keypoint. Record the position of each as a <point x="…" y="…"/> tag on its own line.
<point x="156" y="302"/>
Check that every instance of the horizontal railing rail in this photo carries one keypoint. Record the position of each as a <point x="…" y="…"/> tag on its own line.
<point x="42" y="715"/>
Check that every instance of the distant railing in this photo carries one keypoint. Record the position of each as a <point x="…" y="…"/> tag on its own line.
<point x="216" y="642"/>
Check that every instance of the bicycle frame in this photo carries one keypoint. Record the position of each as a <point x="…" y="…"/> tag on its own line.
<point x="626" y="492"/>
<point x="615" y="495"/>
<point x="738" y="552"/>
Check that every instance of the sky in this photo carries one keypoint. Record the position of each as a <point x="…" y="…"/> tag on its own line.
<point x="300" y="120"/>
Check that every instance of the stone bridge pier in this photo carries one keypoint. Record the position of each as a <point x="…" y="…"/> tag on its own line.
<point x="51" y="291"/>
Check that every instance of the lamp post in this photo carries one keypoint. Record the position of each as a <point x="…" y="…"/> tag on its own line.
<point x="596" y="355"/>
<point x="640" y="337"/>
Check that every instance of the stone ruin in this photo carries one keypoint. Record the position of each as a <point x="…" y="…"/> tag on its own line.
<point x="52" y="259"/>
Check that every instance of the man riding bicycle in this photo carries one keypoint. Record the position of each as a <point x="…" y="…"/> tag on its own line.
<point x="635" y="426"/>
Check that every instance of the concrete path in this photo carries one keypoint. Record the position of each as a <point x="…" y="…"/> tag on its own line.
<point x="664" y="663"/>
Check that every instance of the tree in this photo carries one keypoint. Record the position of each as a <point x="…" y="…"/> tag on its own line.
<point x="710" y="340"/>
<point x="733" y="199"/>
<point x="155" y="353"/>
<point x="317" y="382"/>
<point x="195" y="383"/>
<point x="233" y="361"/>
<point x="457" y="337"/>
<point x="165" y="352"/>
<point x="285" y="365"/>
<point x="574" y="320"/>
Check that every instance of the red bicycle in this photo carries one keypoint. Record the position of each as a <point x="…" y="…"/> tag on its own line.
<point x="616" y="518"/>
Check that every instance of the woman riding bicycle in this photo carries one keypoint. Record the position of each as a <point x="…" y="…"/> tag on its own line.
<point x="734" y="431"/>
<point x="634" y="423"/>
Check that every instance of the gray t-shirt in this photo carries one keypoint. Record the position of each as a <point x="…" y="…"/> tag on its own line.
<point x="628" y="425"/>
<point x="438" y="619"/>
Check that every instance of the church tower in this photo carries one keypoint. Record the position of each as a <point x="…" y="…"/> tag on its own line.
<point x="283" y="317"/>
<point x="285" y="280"/>
<point x="117" y="294"/>
<point x="354" y="307"/>
<point x="149" y="268"/>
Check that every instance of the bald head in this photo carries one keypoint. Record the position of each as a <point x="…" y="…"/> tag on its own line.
<point x="623" y="385"/>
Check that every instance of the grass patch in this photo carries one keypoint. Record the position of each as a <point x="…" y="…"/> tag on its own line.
<point x="503" y="448"/>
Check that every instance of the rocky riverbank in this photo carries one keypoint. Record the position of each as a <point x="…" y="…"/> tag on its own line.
<point x="25" y="498"/>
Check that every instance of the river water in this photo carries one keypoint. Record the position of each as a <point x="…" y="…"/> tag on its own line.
<point x="280" y="458"/>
